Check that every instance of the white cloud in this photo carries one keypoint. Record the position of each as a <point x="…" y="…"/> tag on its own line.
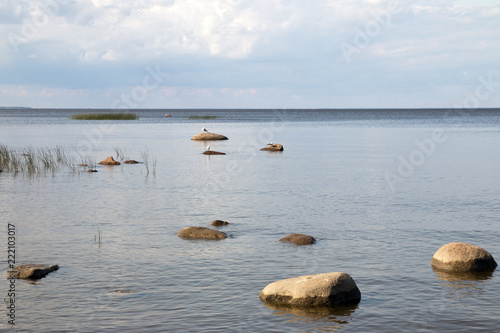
<point x="260" y="52"/>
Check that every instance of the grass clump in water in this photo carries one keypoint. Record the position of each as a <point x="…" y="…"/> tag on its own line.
<point x="105" y="116"/>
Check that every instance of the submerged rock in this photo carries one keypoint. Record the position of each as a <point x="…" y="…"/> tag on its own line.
<point x="298" y="239"/>
<point x="213" y="152"/>
<point x="201" y="232"/>
<point x="209" y="137"/>
<point x="91" y="170"/>
<point x="273" y="147"/>
<point x="131" y="162"/>
<point x="318" y="290"/>
<point x="109" y="161"/>
<point x="31" y="271"/>
<point x="462" y="257"/>
<point x="218" y="223"/>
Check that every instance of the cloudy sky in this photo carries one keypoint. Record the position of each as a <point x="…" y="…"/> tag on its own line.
<point x="250" y="54"/>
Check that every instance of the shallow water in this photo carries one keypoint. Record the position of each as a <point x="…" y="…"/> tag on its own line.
<point x="380" y="190"/>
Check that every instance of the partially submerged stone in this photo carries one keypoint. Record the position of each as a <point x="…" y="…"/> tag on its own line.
<point x="31" y="271"/>
<point x="209" y="137"/>
<point x="318" y="290"/>
<point x="131" y="162"/>
<point x="91" y="170"/>
<point x="273" y="147"/>
<point x="462" y="257"/>
<point x="168" y="115"/>
<point x="109" y="161"/>
<point x="298" y="239"/>
<point x="218" y="223"/>
<point x="201" y="233"/>
<point x="213" y="152"/>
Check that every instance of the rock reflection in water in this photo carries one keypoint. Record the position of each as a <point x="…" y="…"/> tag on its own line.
<point x="464" y="284"/>
<point x="325" y="319"/>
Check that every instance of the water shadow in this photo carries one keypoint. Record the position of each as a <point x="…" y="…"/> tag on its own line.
<point x="324" y="319"/>
<point x="463" y="284"/>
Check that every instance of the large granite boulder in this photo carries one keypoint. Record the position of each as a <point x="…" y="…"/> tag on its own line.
<point x="462" y="257"/>
<point x="273" y="147"/>
<point x="201" y="232"/>
<point x="109" y="161"/>
<point x="318" y="290"/>
<point x="298" y="239"/>
<point x="218" y="223"/>
<point x="205" y="136"/>
<point x="31" y="271"/>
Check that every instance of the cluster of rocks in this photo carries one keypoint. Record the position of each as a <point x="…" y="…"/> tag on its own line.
<point x="208" y="136"/>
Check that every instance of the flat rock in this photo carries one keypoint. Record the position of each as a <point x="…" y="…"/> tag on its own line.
<point x="318" y="290"/>
<point x="109" y="161"/>
<point x="273" y="147"/>
<point x="298" y="239"/>
<point x="91" y="170"/>
<point x="31" y="271"/>
<point x="201" y="232"/>
<point x="218" y="223"/>
<point x="130" y="162"/>
<point x="209" y="137"/>
<point x="462" y="257"/>
<point x="213" y="152"/>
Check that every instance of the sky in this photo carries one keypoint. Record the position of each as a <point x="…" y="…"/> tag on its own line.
<point x="250" y="54"/>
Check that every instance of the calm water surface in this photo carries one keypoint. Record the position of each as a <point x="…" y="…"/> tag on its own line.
<point x="380" y="190"/>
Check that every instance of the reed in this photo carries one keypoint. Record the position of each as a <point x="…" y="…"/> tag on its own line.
<point x="105" y="116"/>
<point x="98" y="237"/>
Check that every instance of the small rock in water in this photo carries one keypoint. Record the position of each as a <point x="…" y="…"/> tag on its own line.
<point x="273" y="147"/>
<point x="208" y="137"/>
<point x="202" y="233"/>
<point x="124" y="291"/>
<point x="318" y="290"/>
<point x="109" y="161"/>
<point x="218" y="223"/>
<point x="298" y="239"/>
<point x="213" y="152"/>
<point x="31" y="271"/>
<point x="462" y="257"/>
<point x="131" y="162"/>
<point x="91" y="170"/>
<point x="82" y="165"/>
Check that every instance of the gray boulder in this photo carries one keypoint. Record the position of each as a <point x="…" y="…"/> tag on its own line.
<point x="318" y="290"/>
<point x="31" y="271"/>
<point x="201" y="233"/>
<point x="462" y="257"/>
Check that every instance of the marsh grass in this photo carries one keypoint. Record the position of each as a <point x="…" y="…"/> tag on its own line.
<point x="202" y="117"/>
<point x="121" y="154"/>
<point x="145" y="158"/>
<point x="33" y="162"/>
<point x="105" y="116"/>
<point x="98" y="237"/>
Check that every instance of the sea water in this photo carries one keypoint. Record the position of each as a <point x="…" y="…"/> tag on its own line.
<point x="380" y="190"/>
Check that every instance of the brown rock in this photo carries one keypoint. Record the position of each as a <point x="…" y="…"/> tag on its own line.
<point x="209" y="137"/>
<point x="168" y="115"/>
<point x="109" y="161"/>
<point x="82" y="165"/>
<point x="91" y="170"/>
<point x="131" y="162"/>
<point x="213" y="152"/>
<point x="462" y="257"/>
<point x="273" y="147"/>
<point x="201" y="232"/>
<point x="318" y="290"/>
<point x="218" y="223"/>
<point x="31" y="271"/>
<point x="298" y="239"/>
